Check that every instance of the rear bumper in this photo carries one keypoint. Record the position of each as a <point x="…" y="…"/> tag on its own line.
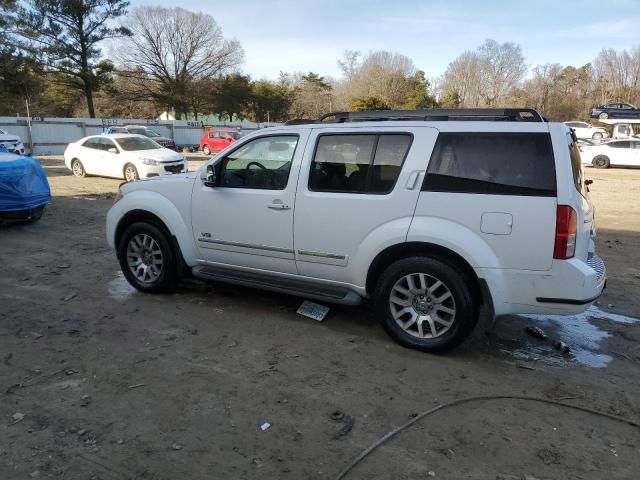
<point x="569" y="287"/>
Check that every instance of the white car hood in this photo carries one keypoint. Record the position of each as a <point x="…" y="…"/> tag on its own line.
<point x="160" y="154"/>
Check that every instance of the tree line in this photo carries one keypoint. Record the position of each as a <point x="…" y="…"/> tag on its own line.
<point x="98" y="58"/>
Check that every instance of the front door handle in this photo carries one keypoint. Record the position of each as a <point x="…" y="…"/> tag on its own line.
<point x="278" y="204"/>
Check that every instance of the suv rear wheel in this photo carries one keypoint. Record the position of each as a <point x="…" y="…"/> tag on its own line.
<point x="425" y="304"/>
<point x="147" y="258"/>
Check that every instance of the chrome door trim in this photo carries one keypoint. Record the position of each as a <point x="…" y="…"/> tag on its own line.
<point x="244" y="245"/>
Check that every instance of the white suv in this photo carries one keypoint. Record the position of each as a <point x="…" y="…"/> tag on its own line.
<point x="428" y="214"/>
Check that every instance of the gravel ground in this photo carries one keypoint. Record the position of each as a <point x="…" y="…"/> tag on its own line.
<point x="101" y="382"/>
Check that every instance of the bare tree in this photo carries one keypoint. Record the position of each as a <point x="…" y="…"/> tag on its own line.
<point x="387" y="76"/>
<point x="462" y="79"/>
<point x="485" y="77"/>
<point x="617" y="74"/>
<point x="502" y="68"/>
<point x="349" y="64"/>
<point x="171" y="48"/>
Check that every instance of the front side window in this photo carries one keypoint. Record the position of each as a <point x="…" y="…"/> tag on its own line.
<point x="106" y="144"/>
<point x="492" y="163"/>
<point x="263" y="163"/>
<point x="358" y="163"/>
<point x="137" y="143"/>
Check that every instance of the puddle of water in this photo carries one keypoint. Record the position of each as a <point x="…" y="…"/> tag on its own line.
<point x="119" y="288"/>
<point x="579" y="333"/>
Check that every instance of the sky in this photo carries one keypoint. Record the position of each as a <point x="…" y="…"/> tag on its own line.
<point x="304" y="35"/>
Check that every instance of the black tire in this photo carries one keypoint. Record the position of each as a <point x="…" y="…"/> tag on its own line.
<point x="37" y="213"/>
<point x="603" y="116"/>
<point x="601" y="161"/>
<point x="597" y="136"/>
<point x="462" y="322"/>
<point x="167" y="279"/>
<point x="206" y="150"/>
<point x="130" y="173"/>
<point x="77" y="168"/>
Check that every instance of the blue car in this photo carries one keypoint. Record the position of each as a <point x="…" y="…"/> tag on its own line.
<point x="24" y="188"/>
<point x="615" y="110"/>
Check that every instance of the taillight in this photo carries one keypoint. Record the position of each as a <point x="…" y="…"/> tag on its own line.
<point x="566" y="230"/>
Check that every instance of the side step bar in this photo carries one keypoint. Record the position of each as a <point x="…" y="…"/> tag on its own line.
<point x="299" y="288"/>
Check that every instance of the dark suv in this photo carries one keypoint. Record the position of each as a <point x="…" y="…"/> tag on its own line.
<point x="615" y="110"/>
<point x="147" y="132"/>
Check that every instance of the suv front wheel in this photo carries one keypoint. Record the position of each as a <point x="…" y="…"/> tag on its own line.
<point x="147" y="258"/>
<point x="425" y="304"/>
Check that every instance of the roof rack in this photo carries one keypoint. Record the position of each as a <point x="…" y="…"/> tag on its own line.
<point x="436" y="114"/>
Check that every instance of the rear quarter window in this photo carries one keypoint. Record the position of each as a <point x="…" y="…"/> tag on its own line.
<point x="492" y="163"/>
<point x="576" y="163"/>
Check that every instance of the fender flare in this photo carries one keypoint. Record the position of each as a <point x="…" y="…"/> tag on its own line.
<point x="159" y="206"/>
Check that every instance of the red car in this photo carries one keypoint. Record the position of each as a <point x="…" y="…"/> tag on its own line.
<point x="215" y="140"/>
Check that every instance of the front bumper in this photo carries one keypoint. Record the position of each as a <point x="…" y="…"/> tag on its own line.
<point x="165" y="168"/>
<point x="17" y="148"/>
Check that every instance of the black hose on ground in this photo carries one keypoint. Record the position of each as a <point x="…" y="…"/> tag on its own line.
<point x="461" y="401"/>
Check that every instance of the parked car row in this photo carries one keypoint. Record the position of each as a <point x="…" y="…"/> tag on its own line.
<point x="623" y="153"/>
<point x="145" y="131"/>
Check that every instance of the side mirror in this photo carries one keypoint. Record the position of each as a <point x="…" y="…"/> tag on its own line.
<point x="210" y="179"/>
<point x="113" y="150"/>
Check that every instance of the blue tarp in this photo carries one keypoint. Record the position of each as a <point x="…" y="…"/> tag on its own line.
<point x="23" y="183"/>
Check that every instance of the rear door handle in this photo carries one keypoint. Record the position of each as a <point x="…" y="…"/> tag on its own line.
<point x="278" y="204"/>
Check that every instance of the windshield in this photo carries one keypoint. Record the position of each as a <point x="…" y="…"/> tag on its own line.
<point x="137" y="143"/>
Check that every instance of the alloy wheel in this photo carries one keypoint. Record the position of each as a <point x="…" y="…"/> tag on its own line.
<point x="144" y="258"/>
<point x="422" y="305"/>
<point x="77" y="169"/>
<point x="130" y="173"/>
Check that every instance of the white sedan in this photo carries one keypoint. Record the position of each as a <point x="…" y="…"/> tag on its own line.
<point x="122" y="156"/>
<point x="624" y="153"/>
<point x="586" y="130"/>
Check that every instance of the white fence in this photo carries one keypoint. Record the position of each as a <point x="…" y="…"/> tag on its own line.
<point x="50" y="136"/>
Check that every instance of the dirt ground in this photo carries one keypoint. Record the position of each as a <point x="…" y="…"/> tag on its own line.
<point x="113" y="384"/>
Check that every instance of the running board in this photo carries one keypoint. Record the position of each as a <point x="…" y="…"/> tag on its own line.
<point x="299" y="288"/>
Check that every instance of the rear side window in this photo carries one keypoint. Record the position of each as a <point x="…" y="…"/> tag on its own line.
<point x="620" y="144"/>
<point x="576" y="163"/>
<point x="358" y="163"/>
<point x="492" y="163"/>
